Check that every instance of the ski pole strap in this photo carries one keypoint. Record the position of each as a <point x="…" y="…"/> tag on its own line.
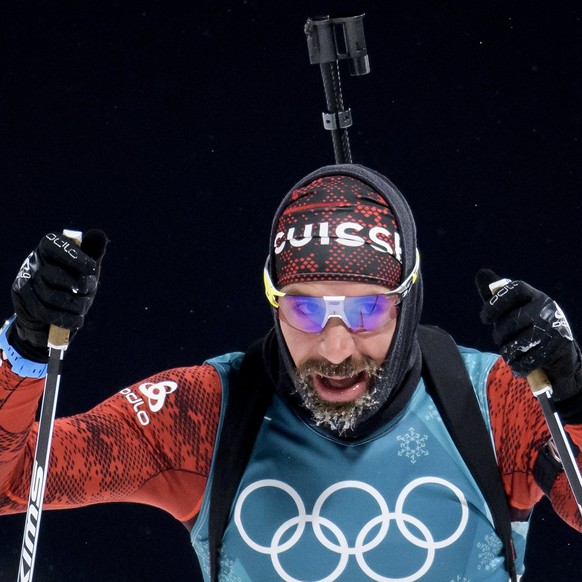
<point x="547" y="467"/>
<point x="20" y="365"/>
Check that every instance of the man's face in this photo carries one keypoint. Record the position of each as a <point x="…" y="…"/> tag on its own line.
<point x="337" y="369"/>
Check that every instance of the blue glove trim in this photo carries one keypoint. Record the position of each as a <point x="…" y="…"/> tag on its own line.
<point x="21" y="366"/>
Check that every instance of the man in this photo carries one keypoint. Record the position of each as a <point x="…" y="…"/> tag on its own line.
<point x="353" y="474"/>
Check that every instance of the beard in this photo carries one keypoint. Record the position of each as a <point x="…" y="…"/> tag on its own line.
<point x="338" y="417"/>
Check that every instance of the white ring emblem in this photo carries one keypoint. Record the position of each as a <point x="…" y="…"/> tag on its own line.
<point x="339" y="544"/>
<point x="156" y="393"/>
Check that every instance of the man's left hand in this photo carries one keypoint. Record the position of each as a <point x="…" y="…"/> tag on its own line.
<point x="531" y="332"/>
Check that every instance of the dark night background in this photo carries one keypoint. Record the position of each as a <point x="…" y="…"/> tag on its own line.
<point x="177" y="126"/>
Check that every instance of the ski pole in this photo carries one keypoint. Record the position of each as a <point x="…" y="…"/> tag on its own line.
<point x="541" y="388"/>
<point x="58" y="342"/>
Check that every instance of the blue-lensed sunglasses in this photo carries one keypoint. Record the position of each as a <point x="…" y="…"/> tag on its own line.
<point x="359" y="313"/>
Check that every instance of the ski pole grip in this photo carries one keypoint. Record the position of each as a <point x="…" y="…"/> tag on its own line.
<point x="58" y="337"/>
<point x="537" y="379"/>
<point x="539" y="382"/>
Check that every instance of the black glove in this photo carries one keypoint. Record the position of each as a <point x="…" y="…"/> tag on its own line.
<point x="56" y="285"/>
<point x="531" y="332"/>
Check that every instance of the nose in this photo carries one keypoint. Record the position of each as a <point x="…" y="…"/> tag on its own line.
<point x="336" y="342"/>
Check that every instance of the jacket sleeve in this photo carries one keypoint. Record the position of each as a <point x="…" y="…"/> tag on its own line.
<point x="150" y="443"/>
<point x="520" y="433"/>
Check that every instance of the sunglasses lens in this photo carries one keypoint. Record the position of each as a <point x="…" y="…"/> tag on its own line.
<point x="303" y="312"/>
<point x="364" y="313"/>
<point x="369" y="312"/>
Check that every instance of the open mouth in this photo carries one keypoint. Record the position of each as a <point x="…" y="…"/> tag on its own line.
<point x="341" y="388"/>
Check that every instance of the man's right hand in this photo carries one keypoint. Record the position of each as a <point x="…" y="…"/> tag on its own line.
<point x="55" y="285"/>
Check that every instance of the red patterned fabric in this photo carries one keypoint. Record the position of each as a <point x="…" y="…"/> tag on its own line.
<point x="519" y="432"/>
<point x="111" y="454"/>
<point x="337" y="228"/>
<point x="108" y="454"/>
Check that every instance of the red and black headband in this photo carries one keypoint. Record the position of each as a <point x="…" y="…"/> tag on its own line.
<point x="337" y="228"/>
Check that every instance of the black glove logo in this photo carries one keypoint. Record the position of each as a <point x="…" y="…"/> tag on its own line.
<point x="67" y="246"/>
<point x="27" y="270"/>
<point x="503" y="291"/>
<point x="554" y="315"/>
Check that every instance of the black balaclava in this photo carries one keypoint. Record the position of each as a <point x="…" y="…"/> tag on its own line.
<point x="377" y="245"/>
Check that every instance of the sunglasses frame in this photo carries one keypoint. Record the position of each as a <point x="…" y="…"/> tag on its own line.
<point x="273" y="294"/>
<point x="335" y="307"/>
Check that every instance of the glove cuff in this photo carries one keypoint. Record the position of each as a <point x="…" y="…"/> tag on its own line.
<point x="565" y="373"/>
<point x="18" y="355"/>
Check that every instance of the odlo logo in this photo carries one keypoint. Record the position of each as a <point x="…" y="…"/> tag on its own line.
<point x="27" y="270"/>
<point x="155" y="395"/>
<point x="349" y="234"/>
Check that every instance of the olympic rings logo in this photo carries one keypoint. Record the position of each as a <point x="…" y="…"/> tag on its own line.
<point x="339" y="545"/>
